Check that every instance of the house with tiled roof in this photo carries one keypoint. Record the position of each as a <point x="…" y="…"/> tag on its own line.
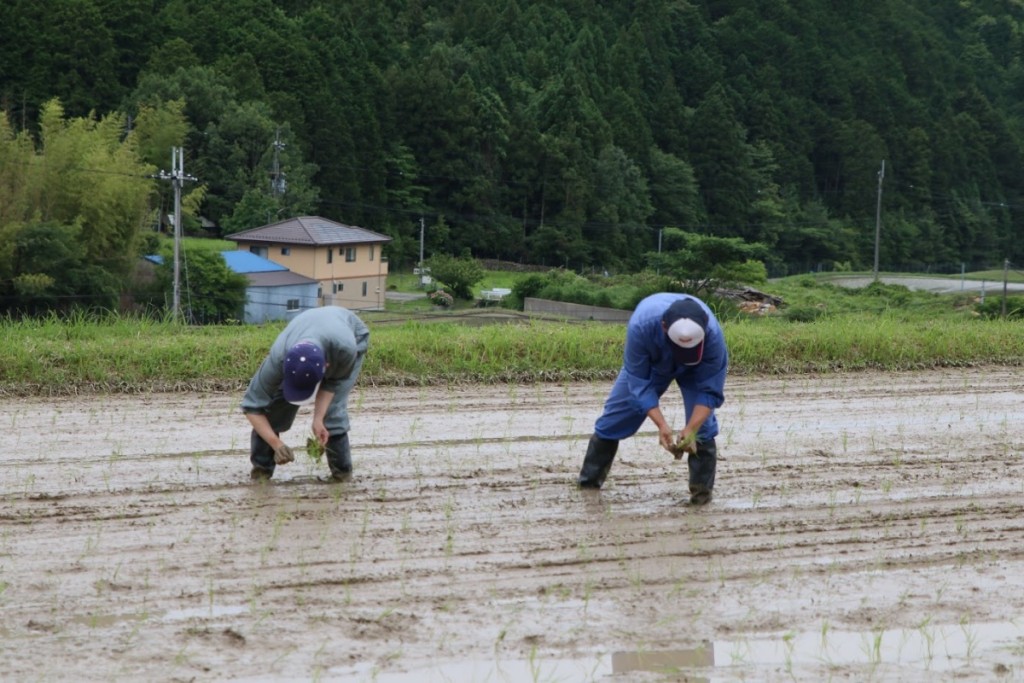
<point x="346" y="261"/>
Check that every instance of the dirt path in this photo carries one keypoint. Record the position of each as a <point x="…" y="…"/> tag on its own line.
<point x="865" y="527"/>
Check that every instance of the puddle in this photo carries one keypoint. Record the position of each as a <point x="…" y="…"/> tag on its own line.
<point x="542" y="669"/>
<point x="930" y="648"/>
<point x="665" y="660"/>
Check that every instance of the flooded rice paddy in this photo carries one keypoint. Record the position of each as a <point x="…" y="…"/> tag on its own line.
<point x="865" y="527"/>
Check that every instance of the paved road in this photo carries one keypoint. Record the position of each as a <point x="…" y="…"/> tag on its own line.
<point x="932" y="284"/>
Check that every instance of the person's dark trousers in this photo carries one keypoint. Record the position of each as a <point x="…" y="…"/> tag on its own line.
<point x="702" y="472"/>
<point x="261" y="456"/>
<point x="339" y="456"/>
<point x="599" y="458"/>
<point x="281" y="415"/>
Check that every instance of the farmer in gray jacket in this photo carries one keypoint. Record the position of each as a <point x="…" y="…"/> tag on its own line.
<point x="315" y="360"/>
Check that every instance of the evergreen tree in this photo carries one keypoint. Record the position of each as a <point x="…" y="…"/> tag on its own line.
<point x="723" y="164"/>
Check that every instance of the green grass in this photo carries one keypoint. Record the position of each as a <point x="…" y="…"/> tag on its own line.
<point x="885" y="341"/>
<point x="83" y="355"/>
<point x="406" y="281"/>
<point x="809" y="297"/>
<point x="995" y="276"/>
<point x="403" y="281"/>
<point x="210" y="244"/>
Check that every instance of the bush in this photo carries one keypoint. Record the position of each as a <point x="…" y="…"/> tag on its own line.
<point x="211" y="292"/>
<point x="439" y="297"/>
<point x="992" y="308"/>
<point x="457" y="274"/>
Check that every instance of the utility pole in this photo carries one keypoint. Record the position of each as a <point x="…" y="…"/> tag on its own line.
<point x="177" y="177"/>
<point x="421" y="250"/>
<point x="1006" y="274"/>
<point x="878" y="216"/>
<point x="277" y="181"/>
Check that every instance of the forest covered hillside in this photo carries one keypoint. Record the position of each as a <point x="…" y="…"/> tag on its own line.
<point x="565" y="133"/>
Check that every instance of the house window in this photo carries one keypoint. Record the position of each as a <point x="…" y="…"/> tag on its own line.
<point x="286" y="251"/>
<point x="350" y="254"/>
<point x="293" y="304"/>
<point x="371" y="251"/>
<point x="330" y="256"/>
<point x="364" y="289"/>
<point x="338" y="287"/>
<point x="259" y="251"/>
<point x="319" y="292"/>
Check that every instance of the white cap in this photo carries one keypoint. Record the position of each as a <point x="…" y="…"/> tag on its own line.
<point x="686" y="333"/>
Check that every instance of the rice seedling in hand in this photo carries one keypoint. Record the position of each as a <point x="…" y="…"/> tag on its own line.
<point x="314" y="449"/>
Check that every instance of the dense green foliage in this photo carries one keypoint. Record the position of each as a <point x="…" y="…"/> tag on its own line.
<point x="457" y="275"/>
<point x="70" y="212"/>
<point x="1012" y="308"/>
<point x="210" y="291"/>
<point x="623" y="292"/>
<point x="702" y="263"/>
<point x="560" y="133"/>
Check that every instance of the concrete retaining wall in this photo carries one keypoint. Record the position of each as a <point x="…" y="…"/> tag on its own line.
<point x="576" y="311"/>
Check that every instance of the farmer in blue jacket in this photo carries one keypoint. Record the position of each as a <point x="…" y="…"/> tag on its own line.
<point x="315" y="360"/>
<point x="669" y="337"/>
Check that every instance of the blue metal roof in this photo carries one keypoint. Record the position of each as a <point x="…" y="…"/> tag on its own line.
<point x="242" y="262"/>
<point x="247" y="262"/>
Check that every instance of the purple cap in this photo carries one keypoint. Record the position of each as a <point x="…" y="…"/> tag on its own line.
<point x="303" y="371"/>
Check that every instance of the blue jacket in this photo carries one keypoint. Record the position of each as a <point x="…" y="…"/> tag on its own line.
<point x="650" y="367"/>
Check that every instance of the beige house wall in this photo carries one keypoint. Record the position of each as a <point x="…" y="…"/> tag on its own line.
<point x="333" y="263"/>
<point x="358" y="294"/>
<point x="358" y="284"/>
<point x="325" y="263"/>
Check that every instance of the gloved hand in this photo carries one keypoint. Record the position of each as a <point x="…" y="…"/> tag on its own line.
<point x="283" y="454"/>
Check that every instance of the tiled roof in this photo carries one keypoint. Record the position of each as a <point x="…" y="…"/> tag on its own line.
<point x="309" y="230"/>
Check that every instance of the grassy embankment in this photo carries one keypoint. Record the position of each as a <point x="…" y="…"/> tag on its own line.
<point x="823" y="329"/>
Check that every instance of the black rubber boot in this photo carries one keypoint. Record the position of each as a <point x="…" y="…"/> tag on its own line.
<point x="600" y="455"/>
<point x="261" y="456"/>
<point x="339" y="457"/>
<point x="702" y="472"/>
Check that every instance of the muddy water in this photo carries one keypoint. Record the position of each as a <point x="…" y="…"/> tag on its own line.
<point x="865" y="527"/>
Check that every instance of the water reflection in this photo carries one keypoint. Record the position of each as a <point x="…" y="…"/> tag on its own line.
<point x="593" y="503"/>
<point x="666" y="661"/>
<point x="932" y="648"/>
